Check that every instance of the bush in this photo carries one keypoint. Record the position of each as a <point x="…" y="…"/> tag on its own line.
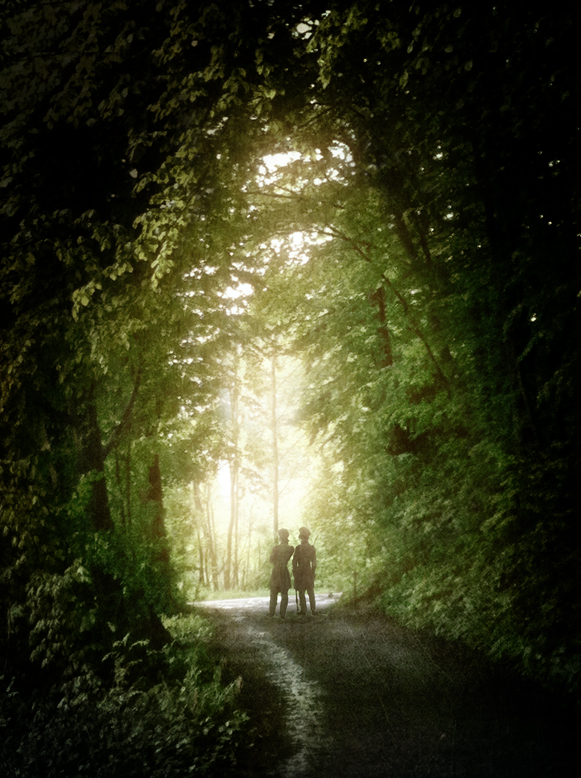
<point x="184" y="723"/>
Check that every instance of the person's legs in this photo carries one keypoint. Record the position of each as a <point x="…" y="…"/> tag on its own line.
<point x="303" y="602"/>
<point x="273" y="596"/>
<point x="283" y="603"/>
<point x="311" y="593"/>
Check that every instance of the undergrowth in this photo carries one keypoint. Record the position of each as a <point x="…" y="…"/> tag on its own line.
<point x="166" y="713"/>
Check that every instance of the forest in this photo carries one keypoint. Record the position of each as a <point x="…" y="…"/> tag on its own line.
<point x="265" y="264"/>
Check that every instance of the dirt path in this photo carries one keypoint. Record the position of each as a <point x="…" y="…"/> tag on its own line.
<point x="352" y="695"/>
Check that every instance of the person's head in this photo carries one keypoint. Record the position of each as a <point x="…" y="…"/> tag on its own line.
<point x="283" y="535"/>
<point x="304" y="533"/>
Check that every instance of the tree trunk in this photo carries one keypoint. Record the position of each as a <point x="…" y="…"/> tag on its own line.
<point x="230" y="568"/>
<point x="94" y="462"/>
<point x="213" y="543"/>
<point x="202" y="571"/>
<point x="155" y="495"/>
<point x="230" y="571"/>
<point x="128" y="484"/>
<point x="378" y="297"/>
<point x="119" y="482"/>
<point x="275" y="456"/>
<point x="204" y="509"/>
<point x="161" y="555"/>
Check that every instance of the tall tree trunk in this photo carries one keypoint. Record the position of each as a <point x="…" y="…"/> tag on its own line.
<point x="202" y="570"/>
<point x="378" y="297"/>
<point x="230" y="567"/>
<point x="236" y="546"/>
<point x="247" y="568"/>
<point x="213" y="543"/>
<point x="204" y="510"/>
<point x="94" y="462"/>
<point x="128" y="484"/>
<point x="230" y="571"/>
<point x="109" y="589"/>
<point x="120" y="488"/>
<point x="275" y="455"/>
<point x="161" y="555"/>
<point x="155" y="495"/>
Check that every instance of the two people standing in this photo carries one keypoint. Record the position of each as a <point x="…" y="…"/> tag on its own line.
<point x="304" y="567"/>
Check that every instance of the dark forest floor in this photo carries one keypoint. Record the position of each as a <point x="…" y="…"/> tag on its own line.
<point x="352" y="695"/>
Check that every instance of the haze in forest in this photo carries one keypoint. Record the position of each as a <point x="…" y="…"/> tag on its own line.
<point x="377" y="338"/>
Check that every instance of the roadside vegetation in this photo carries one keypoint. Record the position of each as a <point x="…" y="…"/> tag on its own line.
<point x="139" y="712"/>
<point x="273" y="264"/>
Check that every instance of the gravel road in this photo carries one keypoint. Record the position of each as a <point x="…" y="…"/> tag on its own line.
<point x="348" y="694"/>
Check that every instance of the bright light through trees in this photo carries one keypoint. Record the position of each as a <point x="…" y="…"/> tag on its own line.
<point x="192" y="198"/>
<point x="266" y="479"/>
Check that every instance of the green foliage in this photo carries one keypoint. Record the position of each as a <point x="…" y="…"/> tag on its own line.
<point x="166" y="713"/>
<point x="443" y="404"/>
<point x="104" y="205"/>
<point x="433" y="299"/>
<point x="61" y="616"/>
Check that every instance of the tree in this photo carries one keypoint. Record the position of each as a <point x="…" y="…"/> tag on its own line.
<point x="118" y="123"/>
<point x="459" y="176"/>
<point x="417" y="311"/>
<point x="423" y="238"/>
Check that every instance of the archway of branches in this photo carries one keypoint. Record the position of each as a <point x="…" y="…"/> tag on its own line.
<point x="379" y="211"/>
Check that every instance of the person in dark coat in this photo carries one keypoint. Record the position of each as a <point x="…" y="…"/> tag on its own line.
<point x="280" y="578"/>
<point x="304" y="566"/>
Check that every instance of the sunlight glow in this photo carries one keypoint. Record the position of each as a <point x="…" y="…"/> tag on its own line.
<point x="273" y="161"/>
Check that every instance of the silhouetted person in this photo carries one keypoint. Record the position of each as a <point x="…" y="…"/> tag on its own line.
<point x="280" y="578"/>
<point x="304" y="566"/>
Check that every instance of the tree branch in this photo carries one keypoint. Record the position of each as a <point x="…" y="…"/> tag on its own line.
<point x="113" y="438"/>
<point x="413" y="324"/>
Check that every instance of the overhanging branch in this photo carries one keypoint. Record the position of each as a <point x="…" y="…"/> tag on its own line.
<point x="114" y="437"/>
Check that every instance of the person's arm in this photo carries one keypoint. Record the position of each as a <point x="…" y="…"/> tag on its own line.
<point x="314" y="563"/>
<point x="296" y="558"/>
